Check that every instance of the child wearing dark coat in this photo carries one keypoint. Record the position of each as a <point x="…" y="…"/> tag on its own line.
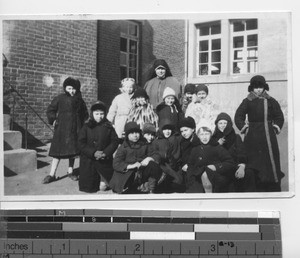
<point x="97" y="142"/>
<point x="209" y="166"/>
<point x="134" y="163"/>
<point x="169" y="108"/>
<point x="264" y="121"/>
<point x="67" y="113"/>
<point x="186" y="99"/>
<point x="224" y="135"/>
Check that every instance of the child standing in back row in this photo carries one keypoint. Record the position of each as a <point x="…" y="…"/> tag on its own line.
<point x="121" y="106"/>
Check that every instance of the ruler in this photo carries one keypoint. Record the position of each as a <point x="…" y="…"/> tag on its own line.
<point x="139" y="234"/>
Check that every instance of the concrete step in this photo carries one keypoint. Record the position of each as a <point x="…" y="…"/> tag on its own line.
<point x="19" y="161"/>
<point x="12" y="140"/>
<point x="6" y="122"/>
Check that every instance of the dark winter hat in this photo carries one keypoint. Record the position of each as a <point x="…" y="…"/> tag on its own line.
<point x="131" y="127"/>
<point x="149" y="128"/>
<point x="258" y="81"/>
<point x="99" y="105"/>
<point x="166" y="124"/>
<point x="70" y="81"/>
<point x="226" y="117"/>
<point x="201" y="87"/>
<point x="140" y="92"/>
<point x="190" y="87"/>
<point x="187" y="122"/>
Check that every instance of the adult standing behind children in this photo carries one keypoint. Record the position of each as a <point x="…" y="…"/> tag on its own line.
<point x="265" y="120"/>
<point x="160" y="77"/>
<point x="67" y="113"/>
<point x="121" y="106"/>
<point x="97" y="142"/>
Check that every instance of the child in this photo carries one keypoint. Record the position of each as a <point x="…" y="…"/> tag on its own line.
<point x="209" y="166"/>
<point x="142" y="111"/>
<point x="121" y="106"/>
<point x="134" y="163"/>
<point x="225" y="136"/>
<point x="189" y="91"/>
<point x="169" y="108"/>
<point x="202" y="109"/>
<point x="97" y="142"/>
<point x="67" y="113"/>
<point x="265" y="120"/>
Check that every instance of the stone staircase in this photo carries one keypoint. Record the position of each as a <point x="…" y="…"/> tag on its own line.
<point x="16" y="159"/>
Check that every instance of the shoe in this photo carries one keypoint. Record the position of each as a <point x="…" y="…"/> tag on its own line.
<point x="73" y="177"/>
<point x="48" y="179"/>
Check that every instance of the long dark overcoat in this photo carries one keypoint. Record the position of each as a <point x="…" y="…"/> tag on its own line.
<point x="260" y="140"/>
<point x="93" y="137"/>
<point x="69" y="114"/>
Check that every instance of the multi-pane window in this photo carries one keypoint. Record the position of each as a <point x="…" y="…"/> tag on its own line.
<point x="244" y="46"/>
<point x="129" y="45"/>
<point x="209" y="49"/>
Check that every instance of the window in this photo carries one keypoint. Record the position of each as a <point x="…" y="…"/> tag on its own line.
<point x="209" y="49"/>
<point x="244" y="46"/>
<point x="129" y="45"/>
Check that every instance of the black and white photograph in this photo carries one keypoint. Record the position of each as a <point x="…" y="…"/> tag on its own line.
<point x="162" y="106"/>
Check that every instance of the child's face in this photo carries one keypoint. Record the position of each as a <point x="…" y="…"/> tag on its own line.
<point x="201" y="94"/>
<point x="222" y="125"/>
<point x="71" y="90"/>
<point x="134" y="136"/>
<point x="149" y="137"/>
<point x="128" y="87"/>
<point x="169" y="100"/>
<point x="160" y="72"/>
<point x="186" y="132"/>
<point x="258" y="91"/>
<point x="189" y="95"/>
<point x="167" y="133"/>
<point x="204" y="136"/>
<point x="98" y="115"/>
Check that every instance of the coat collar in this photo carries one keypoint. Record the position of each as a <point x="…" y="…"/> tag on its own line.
<point x="251" y="96"/>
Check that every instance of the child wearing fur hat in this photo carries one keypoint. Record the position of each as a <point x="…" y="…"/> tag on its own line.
<point x="67" y="113"/>
<point x="169" y="108"/>
<point x="264" y="121"/>
<point x="141" y="110"/>
<point x="224" y="135"/>
<point x="202" y="109"/>
<point x="160" y="77"/>
<point x="97" y="143"/>
<point x="209" y="166"/>
<point x="134" y="163"/>
<point x="121" y="106"/>
<point x="189" y="91"/>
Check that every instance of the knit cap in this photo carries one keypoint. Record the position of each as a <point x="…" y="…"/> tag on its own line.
<point x="169" y="92"/>
<point x="140" y="92"/>
<point x="187" y="122"/>
<point x="149" y="128"/>
<point x="131" y="127"/>
<point x="190" y="87"/>
<point x="201" y="87"/>
<point x="99" y="105"/>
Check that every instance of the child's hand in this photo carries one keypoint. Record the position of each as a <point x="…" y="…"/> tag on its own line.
<point x="184" y="168"/>
<point x="98" y="154"/>
<point x="134" y="165"/>
<point x="212" y="167"/>
<point x="240" y="173"/>
<point x="221" y="141"/>
<point x="146" y="161"/>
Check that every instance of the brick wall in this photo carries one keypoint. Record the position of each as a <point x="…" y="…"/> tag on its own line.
<point x="41" y="55"/>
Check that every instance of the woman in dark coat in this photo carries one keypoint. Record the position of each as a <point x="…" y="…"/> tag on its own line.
<point x="265" y="120"/>
<point x="97" y="143"/>
<point x="134" y="163"/>
<point x="160" y="77"/>
<point x="67" y="113"/>
<point x="209" y="166"/>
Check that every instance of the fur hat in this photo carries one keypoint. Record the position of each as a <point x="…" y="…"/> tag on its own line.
<point x="99" y="105"/>
<point x="190" y="87"/>
<point x="169" y="92"/>
<point x="258" y="81"/>
<point x="149" y="128"/>
<point x="201" y="87"/>
<point x="131" y="127"/>
<point x="140" y="92"/>
<point x="166" y="123"/>
<point x="187" y="122"/>
<point x="70" y="81"/>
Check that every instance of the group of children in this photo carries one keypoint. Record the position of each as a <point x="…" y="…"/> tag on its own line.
<point x="183" y="146"/>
